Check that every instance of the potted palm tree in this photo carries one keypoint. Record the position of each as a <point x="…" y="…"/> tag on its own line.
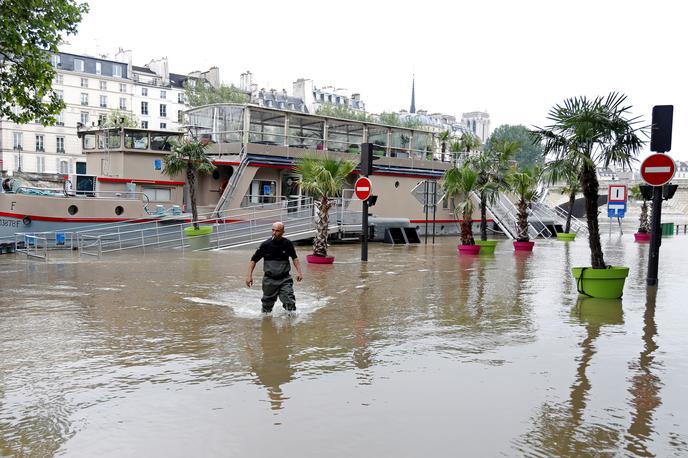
<point x="323" y="178"/>
<point x="594" y="131"/>
<point x="524" y="184"/>
<point x="568" y="172"/>
<point x="492" y="166"/>
<point x="643" y="234"/>
<point x="188" y="156"/>
<point x="463" y="182"/>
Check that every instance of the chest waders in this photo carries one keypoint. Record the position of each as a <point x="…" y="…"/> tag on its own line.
<point x="278" y="283"/>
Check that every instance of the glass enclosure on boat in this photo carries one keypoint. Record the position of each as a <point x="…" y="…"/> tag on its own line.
<point x="249" y="124"/>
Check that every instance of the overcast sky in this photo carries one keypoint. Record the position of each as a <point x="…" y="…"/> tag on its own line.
<point x="514" y="59"/>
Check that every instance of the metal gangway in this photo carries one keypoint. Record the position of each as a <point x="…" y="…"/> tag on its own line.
<point x="233" y="228"/>
<point x="505" y="214"/>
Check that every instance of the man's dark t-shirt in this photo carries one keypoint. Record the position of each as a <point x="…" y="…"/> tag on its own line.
<point x="276" y="254"/>
<point x="275" y="250"/>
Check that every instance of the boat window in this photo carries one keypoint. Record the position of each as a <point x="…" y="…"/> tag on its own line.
<point x="345" y="137"/>
<point x="158" y="194"/>
<point x="162" y="142"/>
<point x="73" y="210"/>
<point x="267" y="128"/>
<point x="305" y="132"/>
<point x="119" y="210"/>
<point x="378" y="136"/>
<point x="230" y="124"/>
<point x="89" y="141"/>
<point x="421" y="145"/>
<point x="401" y="142"/>
<point x="136" y="140"/>
<point x="113" y="140"/>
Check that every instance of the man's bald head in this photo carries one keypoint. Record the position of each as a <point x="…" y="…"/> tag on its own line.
<point x="277" y="230"/>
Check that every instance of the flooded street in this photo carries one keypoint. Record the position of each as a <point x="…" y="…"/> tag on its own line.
<point x="419" y="352"/>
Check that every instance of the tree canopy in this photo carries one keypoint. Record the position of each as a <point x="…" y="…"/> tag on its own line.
<point x="337" y="111"/>
<point x="200" y="93"/>
<point x="121" y="119"/>
<point x="30" y="32"/>
<point x="530" y="155"/>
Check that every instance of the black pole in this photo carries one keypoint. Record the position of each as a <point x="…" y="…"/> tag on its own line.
<point x="364" y="233"/>
<point x="434" y="209"/>
<point x="656" y="240"/>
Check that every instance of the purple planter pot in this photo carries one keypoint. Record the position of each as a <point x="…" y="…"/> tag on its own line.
<point x="523" y="246"/>
<point x="468" y="249"/>
<point x="319" y="259"/>
<point x="642" y="236"/>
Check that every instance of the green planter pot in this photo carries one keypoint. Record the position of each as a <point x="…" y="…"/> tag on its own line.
<point x="564" y="237"/>
<point x="486" y="246"/>
<point x="601" y="283"/>
<point x="198" y="239"/>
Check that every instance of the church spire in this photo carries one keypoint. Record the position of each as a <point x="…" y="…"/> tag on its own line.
<point x="413" y="95"/>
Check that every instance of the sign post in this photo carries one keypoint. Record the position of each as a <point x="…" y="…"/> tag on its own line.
<point x="655" y="173"/>
<point x="616" y="204"/>
<point x="363" y="190"/>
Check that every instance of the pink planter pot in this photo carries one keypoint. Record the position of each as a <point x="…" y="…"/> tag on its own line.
<point x="319" y="259"/>
<point x="642" y="236"/>
<point x="523" y="246"/>
<point x="468" y="249"/>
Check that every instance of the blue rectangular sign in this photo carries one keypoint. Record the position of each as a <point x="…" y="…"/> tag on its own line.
<point x="616" y="209"/>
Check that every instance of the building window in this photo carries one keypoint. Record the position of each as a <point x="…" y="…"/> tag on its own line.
<point x="64" y="167"/>
<point x="144" y="124"/>
<point x="180" y="116"/>
<point x="163" y="110"/>
<point x="163" y="125"/>
<point x="99" y="68"/>
<point x="180" y="97"/>
<point x="84" y="82"/>
<point x="60" y="145"/>
<point x="84" y="118"/>
<point x="59" y="94"/>
<point x="18" y="140"/>
<point x="117" y="71"/>
<point x="56" y="60"/>
<point x="144" y="108"/>
<point x="39" y="143"/>
<point x="122" y="103"/>
<point x="103" y="85"/>
<point x="163" y="94"/>
<point x="40" y="164"/>
<point x="122" y="87"/>
<point x="59" y="118"/>
<point x="84" y="98"/>
<point x="78" y="65"/>
<point x="101" y="119"/>
<point x="103" y="101"/>
<point x="144" y="91"/>
<point x="59" y="79"/>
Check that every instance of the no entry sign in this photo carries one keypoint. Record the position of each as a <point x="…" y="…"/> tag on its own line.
<point x="363" y="188"/>
<point x="657" y="169"/>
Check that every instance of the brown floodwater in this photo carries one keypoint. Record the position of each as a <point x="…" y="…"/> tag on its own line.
<point x="419" y="352"/>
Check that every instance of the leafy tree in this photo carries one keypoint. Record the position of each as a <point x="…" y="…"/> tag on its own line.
<point x="444" y="137"/>
<point x="466" y="143"/>
<point x="524" y="183"/>
<point x="338" y="111"/>
<point x="644" y="226"/>
<point x="121" y="119"/>
<point x="592" y="131"/>
<point x="462" y="182"/>
<point x="30" y="32"/>
<point x="188" y="156"/>
<point x="393" y="119"/>
<point x="531" y="153"/>
<point x="323" y="178"/>
<point x="200" y="93"/>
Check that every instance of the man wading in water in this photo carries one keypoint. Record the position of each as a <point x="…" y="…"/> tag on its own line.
<point x="276" y="252"/>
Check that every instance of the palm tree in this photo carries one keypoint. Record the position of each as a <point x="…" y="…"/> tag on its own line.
<point x="524" y="184"/>
<point x="563" y="170"/>
<point x="323" y="178"/>
<point x="644" y="226"/>
<point x="591" y="132"/>
<point x="462" y="182"/>
<point x="468" y="142"/>
<point x="444" y="138"/>
<point x="492" y="167"/>
<point x="188" y="155"/>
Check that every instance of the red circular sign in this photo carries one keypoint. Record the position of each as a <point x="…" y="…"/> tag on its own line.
<point x="657" y="169"/>
<point x="363" y="188"/>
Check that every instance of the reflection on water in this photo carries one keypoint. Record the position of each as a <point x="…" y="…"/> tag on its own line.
<point x="410" y="354"/>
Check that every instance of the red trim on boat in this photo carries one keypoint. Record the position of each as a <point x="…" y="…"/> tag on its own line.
<point x="134" y="180"/>
<point x="226" y="163"/>
<point x="489" y="220"/>
<point x="75" y="220"/>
